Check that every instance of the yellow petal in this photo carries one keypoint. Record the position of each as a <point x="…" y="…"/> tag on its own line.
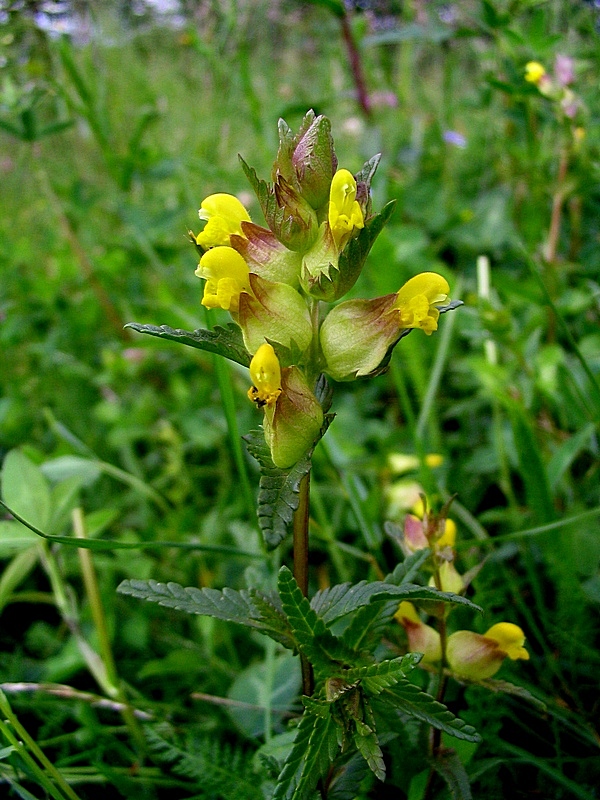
<point x="224" y="214"/>
<point x="417" y="300"/>
<point x="510" y="640"/>
<point x="534" y="72"/>
<point x="344" y="213"/>
<point x="265" y="373"/>
<point x="448" y="537"/>
<point x="226" y="275"/>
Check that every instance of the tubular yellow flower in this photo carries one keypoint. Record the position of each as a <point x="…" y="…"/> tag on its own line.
<point x="510" y="640"/>
<point x="448" y="537"/>
<point x="417" y="300"/>
<point x="344" y="213"/>
<point x="477" y="657"/>
<point x="226" y="275"/>
<point x="422" y="638"/>
<point x="450" y="579"/>
<point x="224" y="215"/>
<point x="266" y="377"/>
<point x="534" y="72"/>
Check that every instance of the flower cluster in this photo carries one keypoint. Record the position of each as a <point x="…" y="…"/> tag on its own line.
<point x="276" y="280"/>
<point x="469" y="655"/>
<point x="557" y="87"/>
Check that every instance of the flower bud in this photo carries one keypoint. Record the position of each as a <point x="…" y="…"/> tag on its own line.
<point x="274" y="311"/>
<point x="224" y="215"/>
<point x="293" y="423"/>
<point x="314" y="160"/>
<point x="422" y="638"/>
<point x="471" y="655"/>
<point x="226" y="275"/>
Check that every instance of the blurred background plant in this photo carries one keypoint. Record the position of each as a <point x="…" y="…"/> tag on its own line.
<point x="116" y="119"/>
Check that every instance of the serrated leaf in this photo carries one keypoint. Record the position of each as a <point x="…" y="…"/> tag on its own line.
<point x="335" y="602"/>
<point x="278" y="494"/>
<point x="406" y="571"/>
<point x="251" y="609"/>
<point x="227" y="342"/>
<point x="314" y="748"/>
<point x="367" y="745"/>
<point x="374" y="678"/>
<point x="367" y="625"/>
<point x="314" y="639"/>
<point x="409" y="699"/>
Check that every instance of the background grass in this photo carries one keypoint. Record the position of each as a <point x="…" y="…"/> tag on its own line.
<point x="144" y="436"/>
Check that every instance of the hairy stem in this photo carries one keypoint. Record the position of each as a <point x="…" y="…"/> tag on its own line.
<point x="301" y="566"/>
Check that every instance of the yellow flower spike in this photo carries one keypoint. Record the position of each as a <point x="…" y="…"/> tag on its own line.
<point x="265" y="373"/>
<point x="417" y="300"/>
<point x="344" y="213"/>
<point x="510" y="640"/>
<point x="534" y="72"/>
<point x="226" y="275"/>
<point x="224" y="215"/>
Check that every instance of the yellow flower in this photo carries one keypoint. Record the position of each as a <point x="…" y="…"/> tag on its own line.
<point x="226" y="275"/>
<point x="471" y="655"/>
<point x="344" y="213"/>
<point x="417" y="300"/>
<point x="534" y="72"/>
<point x="224" y="215"/>
<point x="448" y="537"/>
<point x="422" y="638"/>
<point x="266" y="377"/>
<point x="450" y="579"/>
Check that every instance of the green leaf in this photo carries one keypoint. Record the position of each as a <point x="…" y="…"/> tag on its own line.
<point x="406" y="571"/>
<point x="537" y="489"/>
<point x="374" y="678"/>
<point x="313" y="638"/>
<point x="448" y="764"/>
<point x="337" y="601"/>
<point x="16" y="571"/>
<point x="14" y="538"/>
<point x="567" y="453"/>
<point x="25" y="489"/>
<point x="251" y="609"/>
<point x="314" y="749"/>
<point x="409" y="699"/>
<point x="227" y="342"/>
<point x="367" y="745"/>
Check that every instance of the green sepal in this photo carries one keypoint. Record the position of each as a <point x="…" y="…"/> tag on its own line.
<point x="224" y="341"/>
<point x="278" y="494"/>
<point x="294" y="222"/>
<point x="334" y="281"/>
<point x="385" y="363"/>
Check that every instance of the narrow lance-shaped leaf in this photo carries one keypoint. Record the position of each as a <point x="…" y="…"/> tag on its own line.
<point x="227" y="342"/>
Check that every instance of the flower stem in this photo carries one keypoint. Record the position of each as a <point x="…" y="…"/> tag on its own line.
<point x="300" y="532"/>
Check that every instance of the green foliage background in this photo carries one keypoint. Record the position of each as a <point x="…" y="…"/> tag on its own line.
<point x="108" y="143"/>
